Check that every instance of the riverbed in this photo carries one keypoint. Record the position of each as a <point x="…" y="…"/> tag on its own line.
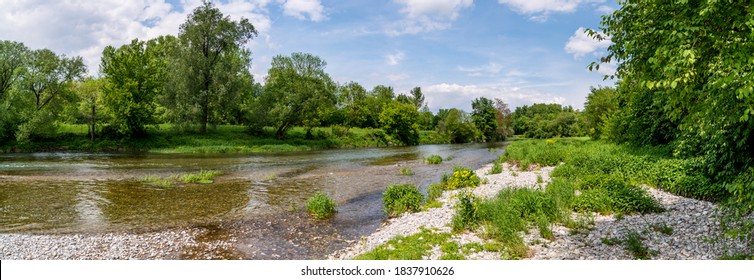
<point x="255" y="210"/>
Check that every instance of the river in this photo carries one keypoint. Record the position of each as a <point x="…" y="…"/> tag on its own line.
<point x="258" y="201"/>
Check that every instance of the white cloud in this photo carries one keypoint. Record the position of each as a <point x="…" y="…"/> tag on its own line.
<point x="446" y="95"/>
<point x="301" y="8"/>
<point x="427" y="15"/>
<point x="604" y="9"/>
<point x="489" y="69"/>
<point x="398" y="77"/>
<point x="540" y="9"/>
<point x="395" y="58"/>
<point x="85" y="28"/>
<point x="581" y="44"/>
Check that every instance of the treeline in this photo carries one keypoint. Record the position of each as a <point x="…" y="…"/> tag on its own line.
<point x="201" y="78"/>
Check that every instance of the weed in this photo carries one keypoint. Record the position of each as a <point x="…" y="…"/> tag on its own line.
<point x="633" y="243"/>
<point x="203" y="177"/>
<point x="492" y="150"/>
<point x="412" y="247"/>
<point x="398" y="199"/>
<point x="271" y="177"/>
<point x="461" y="178"/>
<point x="449" y="158"/>
<point x="611" y="241"/>
<point x="539" y="179"/>
<point x="514" y="174"/>
<point x="466" y="212"/>
<point x="662" y="228"/>
<point x="320" y="206"/>
<point x="433" y="159"/>
<point x="497" y="168"/>
<point x="407" y="171"/>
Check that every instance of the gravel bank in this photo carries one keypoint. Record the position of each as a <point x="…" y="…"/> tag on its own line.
<point x="683" y="231"/>
<point x="171" y="244"/>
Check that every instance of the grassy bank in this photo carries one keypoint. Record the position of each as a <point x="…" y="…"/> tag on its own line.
<point x="590" y="177"/>
<point x="219" y="139"/>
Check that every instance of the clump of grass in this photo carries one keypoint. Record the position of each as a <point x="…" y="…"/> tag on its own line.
<point x="158" y="181"/>
<point x="449" y="158"/>
<point x="539" y="179"/>
<point x="271" y="177"/>
<point x="407" y="171"/>
<point x="662" y="228"/>
<point x="320" y="206"/>
<point x="633" y="243"/>
<point x="203" y="177"/>
<point x="433" y="159"/>
<point x="492" y="150"/>
<point x="497" y="168"/>
<point x="398" y="199"/>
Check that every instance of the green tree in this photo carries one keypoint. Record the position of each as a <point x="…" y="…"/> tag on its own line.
<point x="356" y="105"/>
<point x="134" y="78"/>
<point x="457" y="126"/>
<point x="600" y="105"/>
<point x="483" y="115"/>
<point x="692" y="60"/>
<point x="91" y="103"/>
<point x="213" y="65"/>
<point x="46" y="83"/>
<point x="12" y="57"/>
<point x="399" y="120"/>
<point x="503" y="117"/>
<point x="297" y="91"/>
<point x="417" y="97"/>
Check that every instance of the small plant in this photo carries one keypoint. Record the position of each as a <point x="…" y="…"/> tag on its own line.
<point x="514" y="174"/>
<point x="320" y="206"/>
<point x="407" y="171"/>
<point x="203" y="177"/>
<point x="497" y="168"/>
<point x="550" y="141"/>
<point x="662" y="228"/>
<point x="433" y="159"/>
<point x="434" y="191"/>
<point x="461" y="178"/>
<point x="633" y="243"/>
<point x="449" y="158"/>
<point x="466" y="212"/>
<point x="492" y="150"/>
<point x="484" y="181"/>
<point x="271" y="177"/>
<point x="398" y="199"/>
<point x="539" y="179"/>
<point x="156" y="180"/>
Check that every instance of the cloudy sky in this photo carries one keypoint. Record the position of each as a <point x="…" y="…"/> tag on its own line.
<point x="522" y="51"/>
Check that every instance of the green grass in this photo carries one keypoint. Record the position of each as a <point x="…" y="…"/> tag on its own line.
<point x="407" y="171"/>
<point x="433" y="159"/>
<point x="399" y="199"/>
<point x="497" y="168"/>
<point x="415" y="247"/>
<point x="320" y="206"/>
<point x="201" y="177"/>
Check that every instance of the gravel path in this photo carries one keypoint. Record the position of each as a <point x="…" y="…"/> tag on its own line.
<point x="683" y="231"/>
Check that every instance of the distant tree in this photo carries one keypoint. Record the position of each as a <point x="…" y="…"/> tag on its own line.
<point x="298" y="91"/>
<point x="426" y="117"/>
<point x="354" y="100"/>
<point x="91" y="103"/>
<point x="399" y="120"/>
<point x="546" y="120"/>
<point x="483" y="115"/>
<point x="503" y="117"/>
<point x="417" y="97"/>
<point x="12" y="58"/>
<point x="457" y="126"/>
<point x="601" y="104"/>
<point x="134" y="78"/>
<point x="213" y="64"/>
<point x="405" y="99"/>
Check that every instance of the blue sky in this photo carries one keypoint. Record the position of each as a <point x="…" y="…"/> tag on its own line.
<point x="522" y="51"/>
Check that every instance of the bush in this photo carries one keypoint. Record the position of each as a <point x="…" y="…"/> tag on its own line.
<point x="466" y="212"/>
<point x="497" y="168"/>
<point x="320" y="206"/>
<point x="398" y="199"/>
<point x="407" y="171"/>
<point x="339" y="131"/>
<point x="461" y="178"/>
<point x="433" y="159"/>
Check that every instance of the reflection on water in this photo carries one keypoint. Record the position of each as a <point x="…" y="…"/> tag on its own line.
<point x="84" y="192"/>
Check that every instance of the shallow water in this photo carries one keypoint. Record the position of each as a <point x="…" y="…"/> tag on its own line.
<point x="265" y="194"/>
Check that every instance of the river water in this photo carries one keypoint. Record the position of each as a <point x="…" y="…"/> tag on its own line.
<point x="258" y="201"/>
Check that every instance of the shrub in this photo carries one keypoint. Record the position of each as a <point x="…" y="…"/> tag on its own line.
<point x="433" y="159"/>
<point x="497" y="168"/>
<point x="320" y="206"/>
<point x="398" y="199"/>
<point x="339" y="131"/>
<point x="434" y="191"/>
<point x="461" y="178"/>
<point x="466" y="212"/>
<point x="203" y="177"/>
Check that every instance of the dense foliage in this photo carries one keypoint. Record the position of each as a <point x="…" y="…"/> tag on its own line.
<point x="546" y="121"/>
<point x="398" y="199"/>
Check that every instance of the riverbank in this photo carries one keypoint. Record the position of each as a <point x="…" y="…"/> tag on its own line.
<point x="165" y="139"/>
<point x="688" y="229"/>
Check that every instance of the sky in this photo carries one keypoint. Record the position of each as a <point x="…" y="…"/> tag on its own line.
<point x="521" y="51"/>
